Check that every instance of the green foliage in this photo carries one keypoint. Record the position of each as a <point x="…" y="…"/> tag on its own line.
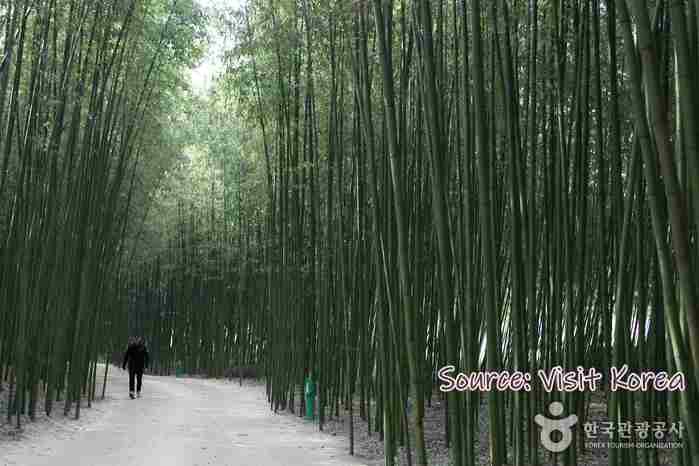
<point x="86" y="90"/>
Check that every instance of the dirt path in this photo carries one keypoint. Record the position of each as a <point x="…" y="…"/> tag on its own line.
<point x="182" y="422"/>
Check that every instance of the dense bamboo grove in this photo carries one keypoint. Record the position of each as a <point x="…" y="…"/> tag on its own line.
<point x="195" y="288"/>
<point x="481" y="184"/>
<point x="84" y="90"/>
<point x="416" y="184"/>
<point x="373" y="190"/>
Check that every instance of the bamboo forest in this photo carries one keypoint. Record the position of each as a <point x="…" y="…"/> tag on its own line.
<point x="415" y="204"/>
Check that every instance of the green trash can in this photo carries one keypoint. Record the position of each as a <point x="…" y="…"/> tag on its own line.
<point x="310" y="393"/>
<point x="179" y="372"/>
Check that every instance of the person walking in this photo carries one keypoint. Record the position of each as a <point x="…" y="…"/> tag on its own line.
<point x="137" y="359"/>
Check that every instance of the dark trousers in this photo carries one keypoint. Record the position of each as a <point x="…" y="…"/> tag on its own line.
<point x="138" y="375"/>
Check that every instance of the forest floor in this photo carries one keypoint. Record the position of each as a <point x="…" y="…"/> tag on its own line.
<point x="177" y="422"/>
<point x="197" y="422"/>
<point x="369" y="448"/>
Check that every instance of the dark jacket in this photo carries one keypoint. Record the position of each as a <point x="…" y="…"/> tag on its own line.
<point x="136" y="357"/>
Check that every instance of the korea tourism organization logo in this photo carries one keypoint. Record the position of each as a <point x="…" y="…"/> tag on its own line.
<point x="610" y="435"/>
<point x="549" y="426"/>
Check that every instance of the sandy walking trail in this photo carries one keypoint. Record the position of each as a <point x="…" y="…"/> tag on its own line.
<point x="183" y="422"/>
